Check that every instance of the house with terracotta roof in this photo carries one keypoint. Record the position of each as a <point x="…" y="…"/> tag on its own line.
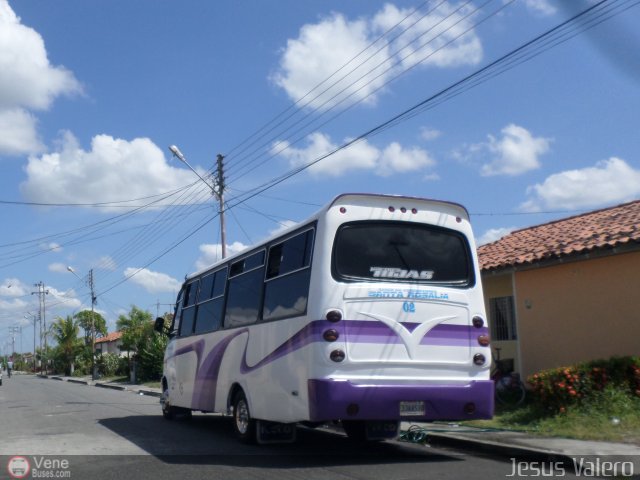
<point x="110" y="343"/>
<point x="565" y="291"/>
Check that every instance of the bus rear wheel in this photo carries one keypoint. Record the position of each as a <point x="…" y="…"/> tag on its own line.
<point x="170" y="412"/>
<point x="243" y="425"/>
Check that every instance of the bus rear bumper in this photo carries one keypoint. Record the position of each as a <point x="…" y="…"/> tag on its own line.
<point x="344" y="400"/>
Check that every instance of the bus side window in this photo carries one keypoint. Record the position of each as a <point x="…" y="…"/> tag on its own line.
<point x="175" y="325"/>
<point x="245" y="286"/>
<point x="210" y="302"/>
<point x="189" y="309"/>
<point x="288" y="277"/>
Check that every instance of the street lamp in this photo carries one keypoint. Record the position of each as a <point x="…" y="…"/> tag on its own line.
<point x="93" y="325"/>
<point x="217" y="190"/>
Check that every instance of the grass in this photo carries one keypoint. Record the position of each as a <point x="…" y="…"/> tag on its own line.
<point x="612" y="415"/>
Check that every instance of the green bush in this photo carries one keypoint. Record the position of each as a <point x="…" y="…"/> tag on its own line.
<point x="558" y="388"/>
<point x="108" y="364"/>
<point x="150" y="358"/>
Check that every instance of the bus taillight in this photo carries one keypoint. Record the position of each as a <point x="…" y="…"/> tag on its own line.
<point x="337" y="355"/>
<point x="484" y="340"/>
<point x="478" y="322"/>
<point x="334" y="316"/>
<point x="331" y="335"/>
<point x="479" y="359"/>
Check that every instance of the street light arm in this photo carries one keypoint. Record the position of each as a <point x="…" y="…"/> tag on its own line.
<point x="178" y="154"/>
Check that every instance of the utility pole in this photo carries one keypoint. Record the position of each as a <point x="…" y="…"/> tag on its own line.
<point x="43" y="321"/>
<point x="34" y="337"/>
<point x="93" y="325"/>
<point x="217" y="190"/>
<point x="12" y="332"/>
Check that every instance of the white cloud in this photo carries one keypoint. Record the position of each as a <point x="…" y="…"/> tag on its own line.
<point x="429" y="134"/>
<point x="153" y="282"/>
<point x="331" y="45"/>
<point x="19" y="135"/>
<point x="113" y="170"/>
<point x="396" y="159"/>
<point x="517" y="152"/>
<point x="494" y="234"/>
<point x="27" y="79"/>
<point x="12" y="287"/>
<point x="106" y="263"/>
<point x="61" y="300"/>
<point x="438" y="39"/>
<point x="27" y="82"/>
<point x="211" y="253"/>
<point x="58" y="267"/>
<point x="51" y="247"/>
<point x="610" y="181"/>
<point x="541" y="7"/>
<point x="359" y="156"/>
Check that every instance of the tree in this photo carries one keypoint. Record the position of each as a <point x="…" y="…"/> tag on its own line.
<point x="84" y="321"/>
<point x="65" y="332"/>
<point x="151" y="354"/>
<point x="136" y="327"/>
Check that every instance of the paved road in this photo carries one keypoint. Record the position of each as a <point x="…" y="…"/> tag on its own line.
<point x="107" y="434"/>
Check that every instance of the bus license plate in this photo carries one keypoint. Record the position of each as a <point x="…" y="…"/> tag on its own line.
<point x="411" y="409"/>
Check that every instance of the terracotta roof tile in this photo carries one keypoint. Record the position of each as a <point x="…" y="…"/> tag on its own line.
<point x="111" y="337"/>
<point x="596" y="230"/>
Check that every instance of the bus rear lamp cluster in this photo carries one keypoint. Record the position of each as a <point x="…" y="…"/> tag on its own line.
<point x="470" y="408"/>
<point x="478" y="322"/>
<point x="484" y="340"/>
<point x="343" y="210"/>
<point x="334" y="316"/>
<point x="402" y="209"/>
<point x="331" y="335"/>
<point x="337" y="355"/>
<point x="479" y="359"/>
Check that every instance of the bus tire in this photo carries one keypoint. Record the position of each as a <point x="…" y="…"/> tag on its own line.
<point x="243" y="425"/>
<point x="168" y="412"/>
<point x="356" y="430"/>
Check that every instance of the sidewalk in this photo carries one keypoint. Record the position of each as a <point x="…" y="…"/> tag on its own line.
<point x="574" y="454"/>
<point x="126" y="387"/>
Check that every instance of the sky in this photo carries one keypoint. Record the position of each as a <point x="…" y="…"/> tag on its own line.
<point x="92" y="94"/>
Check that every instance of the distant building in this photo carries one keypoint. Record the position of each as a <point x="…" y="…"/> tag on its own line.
<point x="565" y="291"/>
<point x="111" y="343"/>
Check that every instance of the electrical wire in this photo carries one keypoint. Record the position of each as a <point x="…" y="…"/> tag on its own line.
<point x="397" y="60"/>
<point x="406" y="113"/>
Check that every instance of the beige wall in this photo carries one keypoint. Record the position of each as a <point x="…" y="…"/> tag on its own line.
<point x="578" y="311"/>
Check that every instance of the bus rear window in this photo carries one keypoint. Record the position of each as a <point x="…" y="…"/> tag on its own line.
<point x="401" y="252"/>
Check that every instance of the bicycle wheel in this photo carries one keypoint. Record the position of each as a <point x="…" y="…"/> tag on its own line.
<point x="509" y="392"/>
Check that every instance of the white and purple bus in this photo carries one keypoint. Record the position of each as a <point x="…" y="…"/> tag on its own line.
<point x="369" y="313"/>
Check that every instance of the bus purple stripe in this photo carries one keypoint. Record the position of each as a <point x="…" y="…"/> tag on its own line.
<point x="356" y="332"/>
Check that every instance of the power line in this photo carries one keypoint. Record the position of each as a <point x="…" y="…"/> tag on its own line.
<point x="406" y="113"/>
<point x="283" y="142"/>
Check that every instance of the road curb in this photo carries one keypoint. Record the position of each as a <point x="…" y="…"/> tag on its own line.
<point x="111" y="386"/>
<point x="78" y="381"/>
<point x="489" y="447"/>
<point x="150" y="393"/>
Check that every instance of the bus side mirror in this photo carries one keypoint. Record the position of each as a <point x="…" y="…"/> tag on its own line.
<point x="159" y="326"/>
